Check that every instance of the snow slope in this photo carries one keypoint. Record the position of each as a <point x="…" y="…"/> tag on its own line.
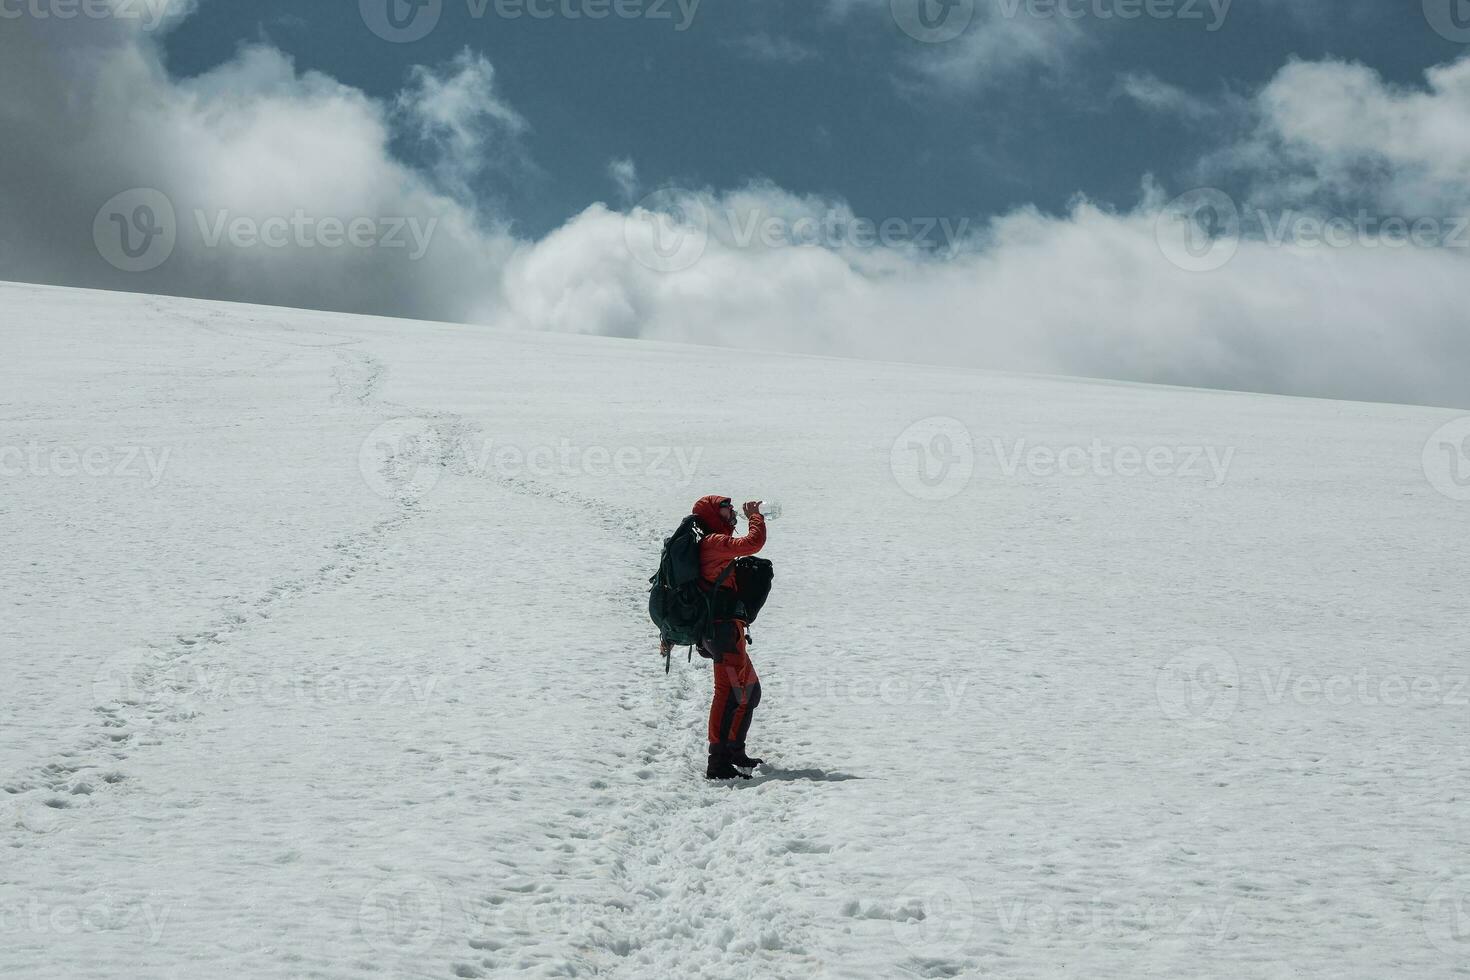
<point x="331" y="689"/>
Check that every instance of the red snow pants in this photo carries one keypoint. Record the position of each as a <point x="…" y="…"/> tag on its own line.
<point x="737" y="688"/>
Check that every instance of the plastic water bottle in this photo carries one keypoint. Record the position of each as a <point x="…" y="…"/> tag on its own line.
<point x="771" y="509"/>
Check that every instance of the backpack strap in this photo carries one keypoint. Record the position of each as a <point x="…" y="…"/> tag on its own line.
<point x="709" y="601"/>
<point x="723" y="575"/>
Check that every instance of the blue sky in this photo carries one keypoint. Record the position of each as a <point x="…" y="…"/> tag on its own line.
<point x="837" y="108"/>
<point x="1281" y="204"/>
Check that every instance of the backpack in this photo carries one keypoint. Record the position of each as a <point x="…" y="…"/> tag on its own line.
<point x="753" y="577"/>
<point x="678" y="606"/>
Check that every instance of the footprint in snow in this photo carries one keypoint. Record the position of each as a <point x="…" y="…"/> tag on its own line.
<point x="928" y="966"/>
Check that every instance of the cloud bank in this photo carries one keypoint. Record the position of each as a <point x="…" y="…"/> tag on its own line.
<point x="285" y="184"/>
<point x="90" y="112"/>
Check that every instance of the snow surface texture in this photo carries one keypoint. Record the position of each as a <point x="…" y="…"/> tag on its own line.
<point x="336" y="688"/>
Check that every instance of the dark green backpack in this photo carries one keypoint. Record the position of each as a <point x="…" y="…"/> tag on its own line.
<point x="683" y="608"/>
<point x="677" y="604"/>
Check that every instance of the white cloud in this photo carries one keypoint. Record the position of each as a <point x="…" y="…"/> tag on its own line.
<point x="771" y="48"/>
<point x="999" y="47"/>
<point x="90" y="111"/>
<point x="1001" y="40"/>
<point x="1159" y="96"/>
<point x="1092" y="292"/>
<point x="94" y="112"/>
<point x="1335" y="128"/>
<point x="624" y="174"/>
<point x="1333" y="132"/>
<point x="1087" y="293"/>
<point x="458" y="113"/>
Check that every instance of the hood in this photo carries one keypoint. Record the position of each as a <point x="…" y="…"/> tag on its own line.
<point x="707" y="511"/>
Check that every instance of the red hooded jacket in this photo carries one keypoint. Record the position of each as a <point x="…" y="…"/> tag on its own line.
<point x="720" y="546"/>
